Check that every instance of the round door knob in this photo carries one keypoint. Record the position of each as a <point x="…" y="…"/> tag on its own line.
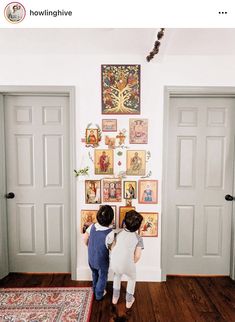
<point x="229" y="198"/>
<point x="10" y="195"/>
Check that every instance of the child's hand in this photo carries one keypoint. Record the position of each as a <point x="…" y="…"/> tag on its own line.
<point x="141" y="233"/>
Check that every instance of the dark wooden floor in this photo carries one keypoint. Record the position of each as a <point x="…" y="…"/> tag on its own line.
<point x="180" y="299"/>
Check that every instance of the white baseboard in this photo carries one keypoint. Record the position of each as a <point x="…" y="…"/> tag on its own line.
<point x="144" y="274"/>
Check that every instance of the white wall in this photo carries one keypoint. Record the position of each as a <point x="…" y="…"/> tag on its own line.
<point x="84" y="73"/>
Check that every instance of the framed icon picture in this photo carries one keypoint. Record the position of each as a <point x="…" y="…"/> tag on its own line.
<point x="129" y="189"/>
<point x="120" y="89"/>
<point x="109" y="125"/>
<point x="122" y="212"/>
<point x="148" y="191"/>
<point x="93" y="191"/>
<point x="103" y="161"/>
<point x="88" y="217"/>
<point x="136" y="162"/>
<point x="92" y="137"/>
<point x="149" y="226"/>
<point x="115" y="215"/>
<point x="138" y="129"/>
<point x="112" y="190"/>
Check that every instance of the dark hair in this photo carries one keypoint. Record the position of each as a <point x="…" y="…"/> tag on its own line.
<point x="105" y="215"/>
<point x="133" y="220"/>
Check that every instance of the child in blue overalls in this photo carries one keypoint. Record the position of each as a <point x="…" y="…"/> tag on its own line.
<point x="98" y="254"/>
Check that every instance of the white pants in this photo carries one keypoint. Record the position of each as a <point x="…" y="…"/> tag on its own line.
<point x="131" y="280"/>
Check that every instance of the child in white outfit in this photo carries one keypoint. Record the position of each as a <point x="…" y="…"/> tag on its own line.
<point x="126" y="251"/>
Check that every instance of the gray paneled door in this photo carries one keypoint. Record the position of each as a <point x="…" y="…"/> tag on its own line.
<point x="199" y="175"/>
<point x="37" y="152"/>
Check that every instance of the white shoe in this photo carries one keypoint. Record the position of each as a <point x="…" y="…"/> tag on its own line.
<point x="115" y="300"/>
<point x="129" y="304"/>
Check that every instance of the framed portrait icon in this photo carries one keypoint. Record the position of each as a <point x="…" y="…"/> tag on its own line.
<point x="148" y="191"/>
<point x="92" y="137"/>
<point x="129" y="189"/>
<point x="135" y="162"/>
<point x="149" y="226"/>
<point x="112" y="190"/>
<point x="93" y="191"/>
<point x="103" y="161"/>
<point x="88" y="217"/>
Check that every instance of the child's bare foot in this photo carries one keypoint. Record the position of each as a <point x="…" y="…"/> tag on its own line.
<point x="129" y="304"/>
<point x="115" y="300"/>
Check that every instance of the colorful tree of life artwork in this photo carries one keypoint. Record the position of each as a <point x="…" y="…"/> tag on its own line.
<point x="120" y="89"/>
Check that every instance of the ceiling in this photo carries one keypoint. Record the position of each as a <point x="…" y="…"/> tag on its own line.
<point x="117" y="41"/>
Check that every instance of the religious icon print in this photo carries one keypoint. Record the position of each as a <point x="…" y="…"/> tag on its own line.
<point x="129" y="189"/>
<point x="138" y="129"/>
<point x="112" y="190"/>
<point x="88" y="217"/>
<point x="93" y="191"/>
<point x="120" y="89"/>
<point x="148" y="191"/>
<point x="92" y="136"/>
<point x="136" y="162"/>
<point x="149" y="226"/>
<point x="103" y="161"/>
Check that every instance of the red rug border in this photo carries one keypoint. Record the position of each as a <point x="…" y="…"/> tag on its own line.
<point x="45" y="287"/>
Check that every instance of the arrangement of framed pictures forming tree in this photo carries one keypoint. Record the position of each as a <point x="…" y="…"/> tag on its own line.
<point x="120" y="96"/>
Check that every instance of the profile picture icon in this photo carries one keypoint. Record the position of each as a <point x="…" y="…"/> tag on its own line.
<point x="14" y="12"/>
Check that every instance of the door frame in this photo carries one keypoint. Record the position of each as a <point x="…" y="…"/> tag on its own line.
<point x="188" y="91"/>
<point x="3" y="217"/>
<point x="53" y="90"/>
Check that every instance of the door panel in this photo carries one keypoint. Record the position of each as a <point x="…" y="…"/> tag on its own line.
<point x="200" y="165"/>
<point x="37" y="172"/>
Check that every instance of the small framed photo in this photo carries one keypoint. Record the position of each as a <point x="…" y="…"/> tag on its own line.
<point x="138" y="129"/>
<point x="122" y="212"/>
<point x="93" y="191"/>
<point x="148" y="191"/>
<point x="149" y="226"/>
<point x="115" y="215"/>
<point x="109" y="125"/>
<point x="112" y="190"/>
<point x="88" y="217"/>
<point x="136" y="162"/>
<point x="92" y="137"/>
<point x="104" y="161"/>
<point x="129" y="189"/>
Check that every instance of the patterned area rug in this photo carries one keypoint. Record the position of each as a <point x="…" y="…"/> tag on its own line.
<point x="46" y="304"/>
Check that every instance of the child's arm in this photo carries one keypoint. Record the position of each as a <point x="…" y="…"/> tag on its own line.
<point x="137" y="254"/>
<point x="86" y="238"/>
<point x="109" y="240"/>
<point x="86" y="235"/>
<point x="139" y="247"/>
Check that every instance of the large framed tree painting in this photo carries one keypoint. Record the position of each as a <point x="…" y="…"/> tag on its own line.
<point x="120" y="89"/>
